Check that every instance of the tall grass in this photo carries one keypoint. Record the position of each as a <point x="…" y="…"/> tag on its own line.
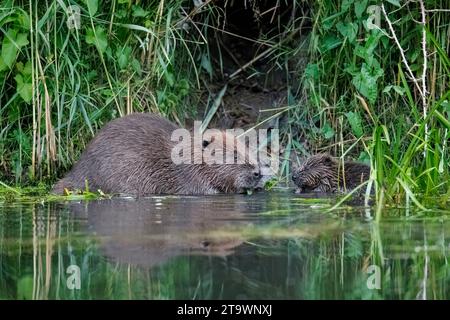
<point x="363" y="102"/>
<point x="60" y="83"/>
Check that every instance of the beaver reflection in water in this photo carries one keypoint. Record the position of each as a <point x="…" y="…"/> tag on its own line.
<point x="322" y="173"/>
<point x="133" y="155"/>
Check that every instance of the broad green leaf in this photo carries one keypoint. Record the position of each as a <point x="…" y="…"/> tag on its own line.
<point x="24" y="89"/>
<point x="97" y="38"/>
<point x="360" y="7"/>
<point x="123" y="56"/>
<point x="312" y="71"/>
<point x="27" y="68"/>
<point x="355" y="123"/>
<point x="139" y="12"/>
<point x="170" y="78"/>
<point x="364" y="157"/>
<point x="366" y="82"/>
<point x="3" y="65"/>
<point x="348" y="30"/>
<point x="346" y="5"/>
<point x="122" y="61"/>
<point x="136" y="65"/>
<point x="9" y="48"/>
<point x="327" y="131"/>
<point x="23" y="20"/>
<point x="366" y="51"/>
<point x="398" y="89"/>
<point x="22" y="40"/>
<point x="328" y="22"/>
<point x="92" y="7"/>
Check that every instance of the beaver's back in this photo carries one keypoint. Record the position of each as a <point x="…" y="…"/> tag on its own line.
<point x="125" y="156"/>
<point x="355" y="174"/>
<point x="322" y="173"/>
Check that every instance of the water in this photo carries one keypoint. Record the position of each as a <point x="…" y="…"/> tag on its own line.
<point x="266" y="246"/>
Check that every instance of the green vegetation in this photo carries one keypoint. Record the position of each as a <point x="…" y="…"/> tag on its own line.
<point x="357" y="96"/>
<point x="368" y="105"/>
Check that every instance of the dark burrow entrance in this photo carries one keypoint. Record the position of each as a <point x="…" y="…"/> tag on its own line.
<point x="258" y="50"/>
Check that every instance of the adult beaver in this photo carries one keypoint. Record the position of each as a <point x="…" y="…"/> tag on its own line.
<point x="322" y="173"/>
<point x="133" y="155"/>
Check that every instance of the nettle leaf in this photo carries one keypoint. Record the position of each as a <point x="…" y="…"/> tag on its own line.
<point x="123" y="56"/>
<point x="92" y="7"/>
<point x="328" y="131"/>
<point x="364" y="157"/>
<point x="123" y="61"/>
<point x="136" y="65"/>
<point x="372" y="42"/>
<point x="97" y="38"/>
<point x="24" y="89"/>
<point x="346" y="5"/>
<point x="9" y="48"/>
<point x="352" y="69"/>
<point x="355" y="123"/>
<point x="400" y="90"/>
<point x="27" y="68"/>
<point x="170" y="78"/>
<point x="366" y="51"/>
<point x="138" y="11"/>
<point x="366" y="82"/>
<point x="360" y="7"/>
<point x="348" y="30"/>
<point x="312" y="71"/>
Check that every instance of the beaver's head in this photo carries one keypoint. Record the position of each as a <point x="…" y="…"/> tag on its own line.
<point x="239" y="170"/>
<point x="317" y="173"/>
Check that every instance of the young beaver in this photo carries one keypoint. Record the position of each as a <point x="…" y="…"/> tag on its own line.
<point x="322" y="173"/>
<point x="133" y="155"/>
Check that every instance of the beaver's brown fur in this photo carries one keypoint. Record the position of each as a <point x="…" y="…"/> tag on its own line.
<point x="322" y="173"/>
<point x="132" y="155"/>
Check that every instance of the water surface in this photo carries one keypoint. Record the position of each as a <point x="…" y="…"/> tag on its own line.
<point x="265" y="246"/>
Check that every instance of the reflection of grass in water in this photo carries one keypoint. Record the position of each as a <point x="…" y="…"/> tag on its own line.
<point x="274" y="231"/>
<point x="284" y="257"/>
